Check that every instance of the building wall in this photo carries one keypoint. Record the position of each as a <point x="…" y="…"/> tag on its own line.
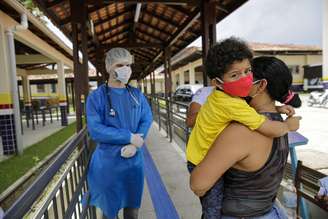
<point x="293" y="61"/>
<point x="300" y="61"/>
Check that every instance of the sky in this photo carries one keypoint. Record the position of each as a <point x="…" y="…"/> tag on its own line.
<point x="274" y="21"/>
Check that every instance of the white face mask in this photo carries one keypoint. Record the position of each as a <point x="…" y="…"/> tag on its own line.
<point x="123" y="74"/>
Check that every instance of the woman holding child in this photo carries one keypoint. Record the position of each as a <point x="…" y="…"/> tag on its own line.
<point x="253" y="161"/>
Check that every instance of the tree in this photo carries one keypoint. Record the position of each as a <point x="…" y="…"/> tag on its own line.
<point x="29" y="4"/>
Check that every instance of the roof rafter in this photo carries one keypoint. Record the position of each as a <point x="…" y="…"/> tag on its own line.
<point x="167" y="2"/>
<point x="131" y="45"/>
<point x="156" y="38"/>
<point x="155" y="28"/>
<point x="111" y="18"/>
<point x="68" y="19"/>
<point x="126" y="31"/>
<point x="53" y="3"/>
<point x="186" y="24"/>
<point x="162" y="18"/>
<point x="111" y="28"/>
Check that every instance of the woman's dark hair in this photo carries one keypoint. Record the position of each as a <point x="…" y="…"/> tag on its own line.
<point x="223" y="54"/>
<point x="279" y="79"/>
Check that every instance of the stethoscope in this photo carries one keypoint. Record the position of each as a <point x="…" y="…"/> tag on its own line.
<point x="112" y="112"/>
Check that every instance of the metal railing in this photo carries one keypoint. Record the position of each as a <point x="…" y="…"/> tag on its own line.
<point x="171" y="115"/>
<point x="59" y="190"/>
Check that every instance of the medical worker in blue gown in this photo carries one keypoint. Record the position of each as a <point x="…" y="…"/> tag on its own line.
<point x="119" y="118"/>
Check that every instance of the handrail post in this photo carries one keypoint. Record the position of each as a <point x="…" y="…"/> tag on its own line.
<point x="159" y="114"/>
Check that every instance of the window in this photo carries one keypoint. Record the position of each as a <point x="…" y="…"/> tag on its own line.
<point x="40" y="88"/>
<point x="294" y="69"/>
<point x="53" y="88"/>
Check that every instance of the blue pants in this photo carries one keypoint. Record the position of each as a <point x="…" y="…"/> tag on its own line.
<point x="212" y="201"/>
<point x="276" y="213"/>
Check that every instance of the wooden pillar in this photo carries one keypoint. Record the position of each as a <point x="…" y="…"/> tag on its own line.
<point x="73" y="95"/>
<point x="167" y="74"/>
<point x="67" y="96"/>
<point x="84" y="45"/>
<point x="145" y="85"/>
<point x="208" y="18"/>
<point x="153" y="83"/>
<point x="100" y="65"/>
<point x="78" y="79"/>
<point x="168" y="85"/>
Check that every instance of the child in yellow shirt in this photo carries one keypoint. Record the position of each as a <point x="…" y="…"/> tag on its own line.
<point x="229" y="64"/>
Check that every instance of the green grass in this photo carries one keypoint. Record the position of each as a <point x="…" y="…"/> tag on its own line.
<point x="15" y="167"/>
<point x="162" y="103"/>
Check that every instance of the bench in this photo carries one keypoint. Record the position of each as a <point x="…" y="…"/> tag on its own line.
<point x="307" y="186"/>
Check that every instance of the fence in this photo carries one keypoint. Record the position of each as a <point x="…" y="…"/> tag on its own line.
<point x="170" y="115"/>
<point x="60" y="188"/>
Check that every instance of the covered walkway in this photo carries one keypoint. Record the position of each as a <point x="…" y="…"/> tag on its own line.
<point x="173" y="179"/>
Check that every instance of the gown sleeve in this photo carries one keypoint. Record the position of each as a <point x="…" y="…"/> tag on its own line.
<point x="100" y="132"/>
<point x="146" y="117"/>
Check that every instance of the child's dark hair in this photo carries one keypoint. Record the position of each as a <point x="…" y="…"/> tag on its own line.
<point x="224" y="54"/>
<point x="279" y="79"/>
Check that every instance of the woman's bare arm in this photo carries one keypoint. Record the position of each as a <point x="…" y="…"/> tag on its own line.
<point x="231" y="146"/>
<point x="192" y="114"/>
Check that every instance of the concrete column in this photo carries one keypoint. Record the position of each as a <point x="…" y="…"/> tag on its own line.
<point x="191" y="74"/>
<point x="325" y="44"/>
<point x="27" y="98"/>
<point x="8" y="140"/>
<point x="181" y="78"/>
<point x="62" y="93"/>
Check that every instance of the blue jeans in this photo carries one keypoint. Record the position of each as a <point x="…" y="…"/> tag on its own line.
<point x="212" y="201"/>
<point x="276" y="213"/>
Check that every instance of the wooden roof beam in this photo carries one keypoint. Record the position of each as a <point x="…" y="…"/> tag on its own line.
<point x="133" y="26"/>
<point x="68" y="19"/>
<point x="167" y="2"/>
<point x="186" y="25"/>
<point x="156" y="29"/>
<point x="126" y="31"/>
<point x="141" y="53"/>
<point x="53" y="3"/>
<point x="149" y="51"/>
<point x="111" y="18"/>
<point x="141" y="57"/>
<point x="116" y="26"/>
<point x="180" y="9"/>
<point x="150" y="36"/>
<point x="132" y="45"/>
<point x="164" y="19"/>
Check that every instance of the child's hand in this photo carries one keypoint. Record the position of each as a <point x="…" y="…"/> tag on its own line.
<point x="293" y="123"/>
<point x="286" y="109"/>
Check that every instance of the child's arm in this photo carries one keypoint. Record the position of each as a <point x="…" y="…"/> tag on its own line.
<point x="241" y="112"/>
<point x="276" y="129"/>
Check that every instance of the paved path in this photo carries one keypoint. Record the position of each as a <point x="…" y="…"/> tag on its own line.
<point x="171" y="166"/>
<point x="314" y="126"/>
<point x="31" y="136"/>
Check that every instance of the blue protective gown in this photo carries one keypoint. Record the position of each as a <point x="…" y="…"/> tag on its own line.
<point x="116" y="182"/>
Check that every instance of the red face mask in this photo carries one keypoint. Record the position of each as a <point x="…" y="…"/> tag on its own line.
<point x="240" y="88"/>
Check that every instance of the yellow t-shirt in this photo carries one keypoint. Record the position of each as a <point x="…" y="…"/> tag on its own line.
<point x="216" y="114"/>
